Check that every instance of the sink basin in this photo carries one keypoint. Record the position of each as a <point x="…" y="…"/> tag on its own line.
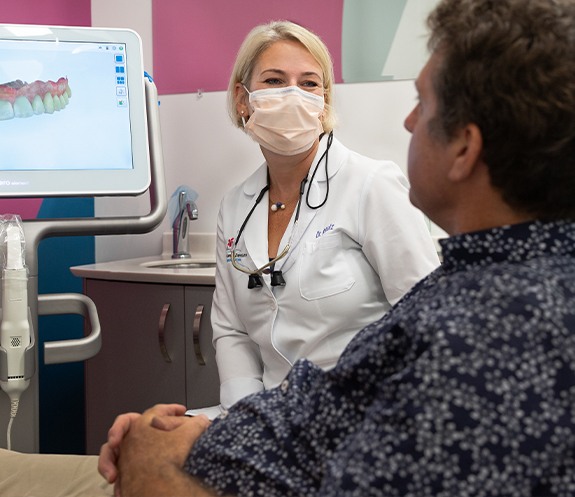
<point x="179" y="264"/>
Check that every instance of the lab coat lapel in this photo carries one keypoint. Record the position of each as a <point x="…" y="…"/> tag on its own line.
<point x="317" y="191"/>
<point x="256" y="230"/>
<point x="305" y="217"/>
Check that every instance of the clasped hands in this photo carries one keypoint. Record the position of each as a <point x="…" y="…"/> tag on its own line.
<point x="143" y="449"/>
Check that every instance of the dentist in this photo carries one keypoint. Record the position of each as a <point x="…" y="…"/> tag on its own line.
<point x="319" y="241"/>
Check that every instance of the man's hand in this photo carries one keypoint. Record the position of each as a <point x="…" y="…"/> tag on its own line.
<point x="109" y="452"/>
<point x="160" y="418"/>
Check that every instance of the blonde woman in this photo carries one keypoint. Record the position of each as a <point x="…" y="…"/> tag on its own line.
<point x="319" y="241"/>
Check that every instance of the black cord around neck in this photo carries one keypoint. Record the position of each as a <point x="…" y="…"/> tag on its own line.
<point x="258" y="200"/>
<point x="324" y="155"/>
<point x="302" y="188"/>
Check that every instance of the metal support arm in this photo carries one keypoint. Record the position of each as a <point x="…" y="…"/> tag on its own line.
<point x="71" y="350"/>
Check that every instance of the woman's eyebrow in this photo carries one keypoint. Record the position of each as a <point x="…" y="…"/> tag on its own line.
<point x="281" y="71"/>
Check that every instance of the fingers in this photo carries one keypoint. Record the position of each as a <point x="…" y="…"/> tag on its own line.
<point x="145" y="445"/>
<point x="169" y="423"/>
<point x="166" y="410"/>
<point x="107" y="463"/>
<point x="123" y="422"/>
<point x="120" y="427"/>
<point x="194" y="427"/>
<point x="110" y="451"/>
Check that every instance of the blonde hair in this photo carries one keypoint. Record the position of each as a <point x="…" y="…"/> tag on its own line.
<point x="261" y="38"/>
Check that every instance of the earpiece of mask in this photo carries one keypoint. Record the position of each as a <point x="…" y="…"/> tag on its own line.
<point x="285" y="120"/>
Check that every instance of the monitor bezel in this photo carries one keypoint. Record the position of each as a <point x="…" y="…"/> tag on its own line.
<point x="88" y="182"/>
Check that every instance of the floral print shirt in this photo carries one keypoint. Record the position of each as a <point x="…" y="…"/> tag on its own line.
<point x="465" y="388"/>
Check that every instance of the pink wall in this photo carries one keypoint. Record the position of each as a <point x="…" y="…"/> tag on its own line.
<point x="195" y="41"/>
<point x="55" y="12"/>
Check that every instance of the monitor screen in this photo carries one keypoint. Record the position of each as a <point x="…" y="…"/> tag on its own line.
<point x="72" y="112"/>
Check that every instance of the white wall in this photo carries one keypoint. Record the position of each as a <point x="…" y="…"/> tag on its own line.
<point x="203" y="150"/>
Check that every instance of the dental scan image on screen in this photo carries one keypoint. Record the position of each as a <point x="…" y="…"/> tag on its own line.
<point x="65" y="114"/>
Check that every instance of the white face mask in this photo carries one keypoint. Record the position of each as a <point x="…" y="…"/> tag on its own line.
<point x="285" y="120"/>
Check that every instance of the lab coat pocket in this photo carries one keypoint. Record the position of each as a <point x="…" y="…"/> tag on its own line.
<point x="324" y="270"/>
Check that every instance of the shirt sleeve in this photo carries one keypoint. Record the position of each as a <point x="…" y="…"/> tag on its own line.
<point x="262" y="447"/>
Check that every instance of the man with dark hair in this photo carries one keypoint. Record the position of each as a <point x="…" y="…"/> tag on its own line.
<point x="467" y="386"/>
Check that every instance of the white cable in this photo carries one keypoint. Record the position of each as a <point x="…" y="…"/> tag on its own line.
<point x="13" y="411"/>
<point x="13" y="388"/>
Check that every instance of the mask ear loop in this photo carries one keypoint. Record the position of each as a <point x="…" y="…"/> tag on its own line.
<point x="325" y="154"/>
<point x="242" y="112"/>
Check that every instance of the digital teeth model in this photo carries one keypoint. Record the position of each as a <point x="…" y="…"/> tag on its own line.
<point x="20" y="99"/>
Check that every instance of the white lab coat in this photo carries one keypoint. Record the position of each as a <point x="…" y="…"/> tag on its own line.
<point x="349" y="261"/>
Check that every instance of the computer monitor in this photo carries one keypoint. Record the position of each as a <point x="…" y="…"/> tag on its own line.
<point x="72" y="112"/>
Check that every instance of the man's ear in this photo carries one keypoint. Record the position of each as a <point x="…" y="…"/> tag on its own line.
<point x="468" y="147"/>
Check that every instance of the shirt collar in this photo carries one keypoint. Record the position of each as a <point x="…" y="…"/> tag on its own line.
<point x="513" y="243"/>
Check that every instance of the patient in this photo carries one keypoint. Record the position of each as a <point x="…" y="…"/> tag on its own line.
<point x="467" y="386"/>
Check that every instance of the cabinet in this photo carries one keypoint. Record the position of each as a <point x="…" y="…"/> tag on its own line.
<point x="156" y="348"/>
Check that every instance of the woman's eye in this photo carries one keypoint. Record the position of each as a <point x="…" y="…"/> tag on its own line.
<point x="273" y="81"/>
<point x="309" y="84"/>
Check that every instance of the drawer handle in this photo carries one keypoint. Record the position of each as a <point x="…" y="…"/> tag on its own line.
<point x="196" y="335"/>
<point x="161" y="329"/>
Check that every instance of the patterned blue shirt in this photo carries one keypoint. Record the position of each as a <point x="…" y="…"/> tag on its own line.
<point x="466" y="388"/>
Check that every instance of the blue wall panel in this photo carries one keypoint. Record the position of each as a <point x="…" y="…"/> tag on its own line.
<point x="62" y="406"/>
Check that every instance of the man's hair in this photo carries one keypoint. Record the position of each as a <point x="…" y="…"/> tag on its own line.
<point x="508" y="66"/>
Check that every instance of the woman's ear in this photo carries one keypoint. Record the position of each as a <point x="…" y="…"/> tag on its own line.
<point x="241" y="100"/>
<point x="468" y="145"/>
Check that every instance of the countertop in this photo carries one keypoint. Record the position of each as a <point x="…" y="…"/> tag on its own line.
<point x="142" y="269"/>
<point x="136" y="270"/>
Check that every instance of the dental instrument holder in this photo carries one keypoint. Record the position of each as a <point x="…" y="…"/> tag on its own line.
<point x="16" y="334"/>
<point x="187" y="211"/>
<point x="25" y="434"/>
